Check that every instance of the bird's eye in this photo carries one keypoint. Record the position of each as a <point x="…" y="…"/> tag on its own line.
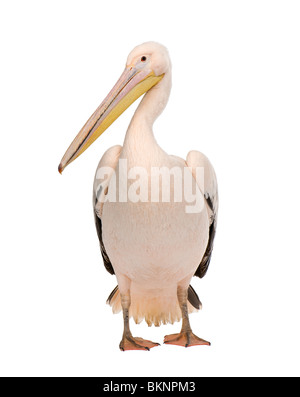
<point x="143" y="59"/>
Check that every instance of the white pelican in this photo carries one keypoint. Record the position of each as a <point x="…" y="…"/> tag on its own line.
<point x="154" y="247"/>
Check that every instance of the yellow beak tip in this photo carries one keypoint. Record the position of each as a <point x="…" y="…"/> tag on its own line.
<point x="60" y="168"/>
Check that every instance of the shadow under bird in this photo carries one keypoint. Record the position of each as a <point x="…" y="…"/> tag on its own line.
<point x="154" y="247"/>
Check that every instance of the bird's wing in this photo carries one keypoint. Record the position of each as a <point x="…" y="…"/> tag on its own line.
<point x="208" y="186"/>
<point x="105" y="169"/>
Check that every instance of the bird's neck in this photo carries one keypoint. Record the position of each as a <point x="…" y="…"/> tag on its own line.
<point x="139" y="135"/>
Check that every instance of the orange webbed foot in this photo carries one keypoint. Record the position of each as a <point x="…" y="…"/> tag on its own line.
<point x="131" y="343"/>
<point x="185" y="339"/>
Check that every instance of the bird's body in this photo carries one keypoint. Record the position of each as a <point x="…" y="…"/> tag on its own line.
<point x="150" y="238"/>
<point x="148" y="246"/>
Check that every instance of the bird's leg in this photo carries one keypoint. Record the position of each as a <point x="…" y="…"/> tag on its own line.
<point x="185" y="337"/>
<point x="128" y="342"/>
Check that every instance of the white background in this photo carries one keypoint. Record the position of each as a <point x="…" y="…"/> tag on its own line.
<point x="235" y="97"/>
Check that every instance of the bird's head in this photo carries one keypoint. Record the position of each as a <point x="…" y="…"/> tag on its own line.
<point x="146" y="65"/>
<point x="150" y="56"/>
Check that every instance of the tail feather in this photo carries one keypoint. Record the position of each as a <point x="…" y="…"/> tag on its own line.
<point x="154" y="315"/>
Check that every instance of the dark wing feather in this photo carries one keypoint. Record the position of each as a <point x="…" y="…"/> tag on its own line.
<point x="202" y="268"/>
<point x="112" y="294"/>
<point x="106" y="261"/>
<point x="100" y="188"/>
<point x="193" y="298"/>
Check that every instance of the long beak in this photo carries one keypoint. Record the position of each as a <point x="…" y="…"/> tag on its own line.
<point x="131" y="85"/>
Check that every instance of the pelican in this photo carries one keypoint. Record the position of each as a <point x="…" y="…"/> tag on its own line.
<point x="152" y="245"/>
